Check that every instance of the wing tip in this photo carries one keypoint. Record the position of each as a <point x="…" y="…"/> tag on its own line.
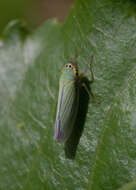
<point x="58" y="136"/>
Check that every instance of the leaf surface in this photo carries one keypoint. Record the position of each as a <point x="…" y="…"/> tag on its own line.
<point x="30" y="64"/>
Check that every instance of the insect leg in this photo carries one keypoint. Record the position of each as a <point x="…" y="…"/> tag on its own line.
<point x="92" y="75"/>
<point x="87" y="68"/>
<point x="90" y="93"/>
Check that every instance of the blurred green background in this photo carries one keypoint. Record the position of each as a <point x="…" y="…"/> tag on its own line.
<point x="34" y="12"/>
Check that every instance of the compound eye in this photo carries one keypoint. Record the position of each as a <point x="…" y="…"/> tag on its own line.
<point x="70" y="66"/>
<point x="66" y="65"/>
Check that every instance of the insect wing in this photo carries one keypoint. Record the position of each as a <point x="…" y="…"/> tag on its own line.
<point x="66" y="110"/>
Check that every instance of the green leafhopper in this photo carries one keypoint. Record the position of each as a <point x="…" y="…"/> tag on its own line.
<point x="68" y="100"/>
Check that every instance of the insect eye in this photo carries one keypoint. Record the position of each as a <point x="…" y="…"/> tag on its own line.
<point x="66" y="65"/>
<point x="69" y="66"/>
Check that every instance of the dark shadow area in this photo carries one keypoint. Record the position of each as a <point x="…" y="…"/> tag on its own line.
<point x="73" y="141"/>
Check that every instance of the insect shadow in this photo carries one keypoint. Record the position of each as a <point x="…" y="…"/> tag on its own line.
<point x="71" y="144"/>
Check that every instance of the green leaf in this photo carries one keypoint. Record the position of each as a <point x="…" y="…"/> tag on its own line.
<point x="115" y="155"/>
<point x="30" y="64"/>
